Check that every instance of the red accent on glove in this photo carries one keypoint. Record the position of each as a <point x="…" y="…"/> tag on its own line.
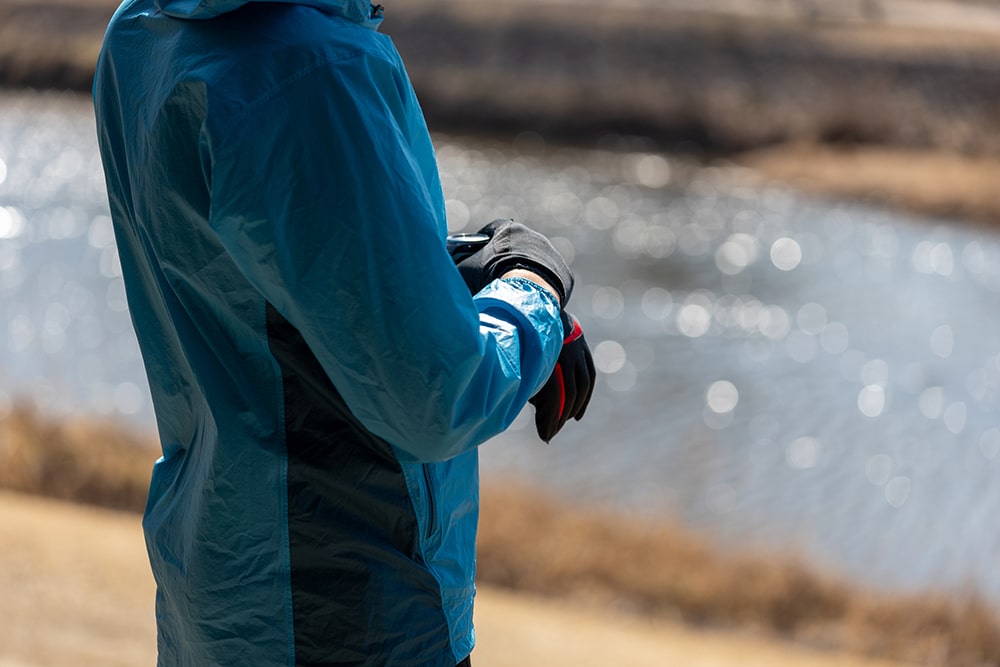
<point x="562" y="387"/>
<point x="575" y="333"/>
<point x="568" y="390"/>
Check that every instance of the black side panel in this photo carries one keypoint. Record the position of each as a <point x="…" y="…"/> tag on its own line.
<point x="360" y="593"/>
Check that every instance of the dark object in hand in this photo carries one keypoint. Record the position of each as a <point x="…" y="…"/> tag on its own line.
<point x="463" y="245"/>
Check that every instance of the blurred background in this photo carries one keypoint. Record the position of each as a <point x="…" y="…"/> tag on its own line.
<point x="782" y="215"/>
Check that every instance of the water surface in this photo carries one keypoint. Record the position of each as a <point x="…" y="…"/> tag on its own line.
<point x="782" y="372"/>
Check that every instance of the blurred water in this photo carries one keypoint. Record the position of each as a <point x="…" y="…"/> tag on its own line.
<point x="66" y="339"/>
<point x="783" y="372"/>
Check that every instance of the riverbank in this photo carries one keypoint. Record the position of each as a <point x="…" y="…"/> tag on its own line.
<point x="940" y="186"/>
<point x="662" y="576"/>
<point x="890" y="102"/>
<point x="77" y="591"/>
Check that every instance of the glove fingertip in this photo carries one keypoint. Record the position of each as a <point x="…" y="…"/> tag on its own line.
<point x="544" y="426"/>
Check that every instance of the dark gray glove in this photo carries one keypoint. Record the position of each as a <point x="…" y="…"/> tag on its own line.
<point x="514" y="246"/>
<point x="568" y="390"/>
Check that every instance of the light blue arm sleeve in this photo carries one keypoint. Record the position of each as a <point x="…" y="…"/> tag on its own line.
<point x="326" y="195"/>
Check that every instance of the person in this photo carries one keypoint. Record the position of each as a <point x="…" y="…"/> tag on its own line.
<point x="321" y="372"/>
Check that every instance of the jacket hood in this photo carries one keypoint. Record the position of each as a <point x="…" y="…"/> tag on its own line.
<point x="360" y="11"/>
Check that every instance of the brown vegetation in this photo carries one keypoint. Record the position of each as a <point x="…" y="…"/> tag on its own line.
<point x="531" y="543"/>
<point x="76" y="459"/>
<point x="77" y="591"/>
<point x="725" y="80"/>
<point x="940" y="185"/>
<point x="857" y="107"/>
<point x="51" y="44"/>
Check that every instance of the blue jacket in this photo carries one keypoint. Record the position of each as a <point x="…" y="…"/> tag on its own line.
<point x="321" y="376"/>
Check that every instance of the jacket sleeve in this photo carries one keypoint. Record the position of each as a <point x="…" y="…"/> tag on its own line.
<point x="326" y="195"/>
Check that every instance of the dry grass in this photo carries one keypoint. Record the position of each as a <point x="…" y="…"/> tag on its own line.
<point x="78" y="459"/>
<point x="726" y="81"/>
<point x="531" y="543"/>
<point x="77" y="591"/>
<point x="888" y="114"/>
<point x="926" y="182"/>
<point x="51" y="44"/>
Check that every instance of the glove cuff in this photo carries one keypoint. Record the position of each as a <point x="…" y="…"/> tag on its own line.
<point x="515" y="246"/>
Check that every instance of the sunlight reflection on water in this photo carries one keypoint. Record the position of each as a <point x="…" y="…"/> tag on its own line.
<point x="778" y="370"/>
<point x="806" y="374"/>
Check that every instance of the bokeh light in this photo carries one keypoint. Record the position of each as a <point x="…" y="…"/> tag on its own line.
<point x="762" y="355"/>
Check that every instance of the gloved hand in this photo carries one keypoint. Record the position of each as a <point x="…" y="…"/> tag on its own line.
<point x="568" y="390"/>
<point x="514" y="246"/>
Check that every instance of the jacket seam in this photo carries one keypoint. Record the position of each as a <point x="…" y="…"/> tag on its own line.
<point x="286" y="548"/>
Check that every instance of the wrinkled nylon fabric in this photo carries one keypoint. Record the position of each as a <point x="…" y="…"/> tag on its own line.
<point x="227" y="205"/>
